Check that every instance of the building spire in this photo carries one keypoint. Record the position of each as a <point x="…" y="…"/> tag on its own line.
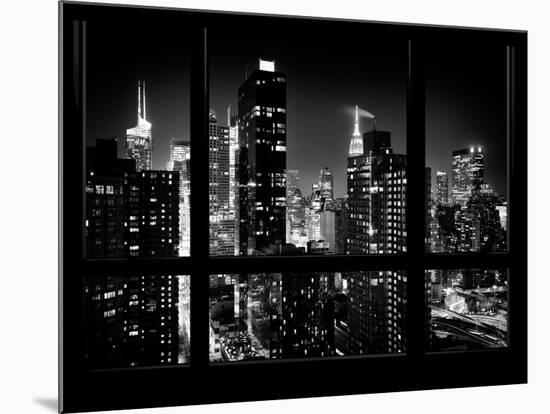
<point x="144" y="103"/>
<point x="356" y="144"/>
<point x="139" y="100"/>
<point x="356" y="129"/>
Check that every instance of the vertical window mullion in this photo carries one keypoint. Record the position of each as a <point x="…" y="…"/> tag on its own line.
<point x="517" y="177"/>
<point x="199" y="198"/>
<point x="71" y="199"/>
<point x="415" y="209"/>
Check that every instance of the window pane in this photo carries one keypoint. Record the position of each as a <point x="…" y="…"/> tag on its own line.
<point x="467" y="309"/>
<point x="306" y="315"/>
<point x="136" y="321"/>
<point x="307" y="142"/>
<point x="137" y="138"/>
<point x="466" y="149"/>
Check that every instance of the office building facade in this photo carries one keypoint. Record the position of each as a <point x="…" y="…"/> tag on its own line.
<point x="442" y="190"/>
<point x="467" y="173"/>
<point x="376" y="197"/>
<point x="262" y="159"/>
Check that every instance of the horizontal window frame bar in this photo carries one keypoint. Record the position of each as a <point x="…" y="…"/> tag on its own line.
<point x="432" y="355"/>
<point x="274" y="264"/>
<point x="168" y="381"/>
<point x="488" y="260"/>
<point x="198" y="17"/>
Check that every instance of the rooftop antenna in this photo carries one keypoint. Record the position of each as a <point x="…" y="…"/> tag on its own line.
<point x="356" y="129"/>
<point x="144" y="103"/>
<point x="139" y="99"/>
<point x="245" y="72"/>
<point x="229" y="115"/>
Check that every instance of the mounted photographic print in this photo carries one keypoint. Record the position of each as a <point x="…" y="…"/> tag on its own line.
<point x="250" y="198"/>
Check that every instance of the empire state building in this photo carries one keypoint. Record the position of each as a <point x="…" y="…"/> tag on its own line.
<point x="356" y="144"/>
<point x="139" y="142"/>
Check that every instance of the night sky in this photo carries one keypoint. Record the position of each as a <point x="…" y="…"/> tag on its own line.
<point x="117" y="59"/>
<point x="466" y="106"/>
<point x="327" y="74"/>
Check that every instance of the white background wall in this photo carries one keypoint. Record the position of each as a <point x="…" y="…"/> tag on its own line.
<point x="28" y="203"/>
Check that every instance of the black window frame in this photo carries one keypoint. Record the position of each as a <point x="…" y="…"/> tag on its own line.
<point x="84" y="390"/>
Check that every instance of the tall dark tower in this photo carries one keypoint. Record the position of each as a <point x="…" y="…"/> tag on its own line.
<point x="222" y="217"/>
<point x="219" y="176"/>
<point x="262" y="160"/>
<point x="376" y="197"/>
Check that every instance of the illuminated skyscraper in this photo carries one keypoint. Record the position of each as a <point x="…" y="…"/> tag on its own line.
<point x="442" y="191"/>
<point x="428" y="209"/>
<point x="314" y="209"/>
<point x="179" y="155"/>
<point x="503" y="214"/>
<point x="139" y="141"/>
<point x="219" y="171"/>
<point x="326" y="186"/>
<point x="315" y="199"/>
<point x="233" y="124"/>
<point x="468" y="174"/>
<point x="356" y="144"/>
<point x="262" y="160"/>
<point x="180" y="159"/>
<point x="376" y="197"/>
<point x="477" y="220"/>
<point x="323" y="207"/>
<point x="296" y="216"/>
<point x="313" y="222"/>
<point x="222" y="214"/>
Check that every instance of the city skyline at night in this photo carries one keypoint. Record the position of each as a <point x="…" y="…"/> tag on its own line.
<point x="173" y="123"/>
<point x="304" y="159"/>
<point x="320" y="120"/>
